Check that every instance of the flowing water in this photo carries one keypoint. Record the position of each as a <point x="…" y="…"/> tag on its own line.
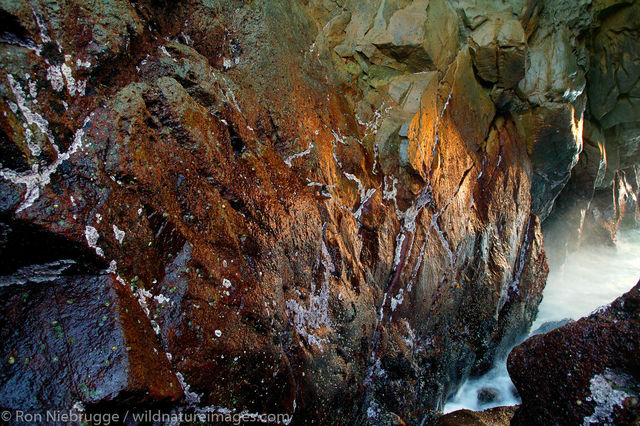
<point x="590" y="278"/>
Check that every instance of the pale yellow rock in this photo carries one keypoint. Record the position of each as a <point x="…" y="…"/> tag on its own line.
<point x="498" y="50"/>
<point x="408" y="36"/>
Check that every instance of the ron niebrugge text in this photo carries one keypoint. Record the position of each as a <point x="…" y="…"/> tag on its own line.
<point x="148" y="416"/>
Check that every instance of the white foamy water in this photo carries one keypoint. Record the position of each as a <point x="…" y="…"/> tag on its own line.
<point x="590" y="278"/>
<point x="496" y="381"/>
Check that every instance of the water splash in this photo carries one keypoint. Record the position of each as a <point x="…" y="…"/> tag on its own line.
<point x="590" y="277"/>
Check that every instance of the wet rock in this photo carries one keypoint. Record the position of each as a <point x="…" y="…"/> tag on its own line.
<point x="611" y="132"/>
<point x="78" y="339"/>
<point x="550" y="325"/>
<point x="554" y="144"/>
<point x="585" y="372"/>
<point x="608" y="209"/>
<point x="567" y="221"/>
<point x="488" y="394"/>
<point x="614" y="93"/>
<point x="319" y="203"/>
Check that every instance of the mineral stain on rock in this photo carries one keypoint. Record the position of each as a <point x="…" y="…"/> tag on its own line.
<point x="327" y="209"/>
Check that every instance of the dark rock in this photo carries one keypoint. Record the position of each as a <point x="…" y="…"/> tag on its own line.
<point x="586" y="372"/>
<point x="488" y="394"/>
<point x="598" y="197"/>
<point x="554" y="145"/>
<point x="77" y="339"/>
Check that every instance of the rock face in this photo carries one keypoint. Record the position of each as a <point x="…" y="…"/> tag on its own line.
<point x="586" y="372"/>
<point x="602" y="193"/>
<point x="317" y="205"/>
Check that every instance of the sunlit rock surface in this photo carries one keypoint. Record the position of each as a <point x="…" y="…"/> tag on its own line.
<point x="492" y="417"/>
<point x="329" y="209"/>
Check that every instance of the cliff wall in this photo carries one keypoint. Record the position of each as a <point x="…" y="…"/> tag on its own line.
<point x="326" y="208"/>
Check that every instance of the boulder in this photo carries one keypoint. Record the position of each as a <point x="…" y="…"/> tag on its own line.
<point x="499" y="416"/>
<point x="586" y="372"/>
<point x="78" y="339"/>
<point x="407" y="36"/>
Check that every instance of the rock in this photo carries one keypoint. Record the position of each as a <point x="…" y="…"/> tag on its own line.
<point x="418" y="152"/>
<point x="629" y="195"/>
<point x="498" y="50"/>
<point x="614" y="93"/>
<point x="469" y="105"/>
<point x="324" y="203"/>
<point x="610" y="136"/>
<point x="488" y="394"/>
<point x="405" y="36"/>
<point x="258" y="191"/>
<point x="99" y="32"/>
<point x="554" y="144"/>
<point x="609" y="209"/>
<point x="552" y="73"/>
<point x="550" y="325"/>
<point x="78" y="339"/>
<point x="492" y="416"/>
<point x="408" y="90"/>
<point x="585" y="372"/>
<point x="441" y="33"/>
<point x="473" y="16"/>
